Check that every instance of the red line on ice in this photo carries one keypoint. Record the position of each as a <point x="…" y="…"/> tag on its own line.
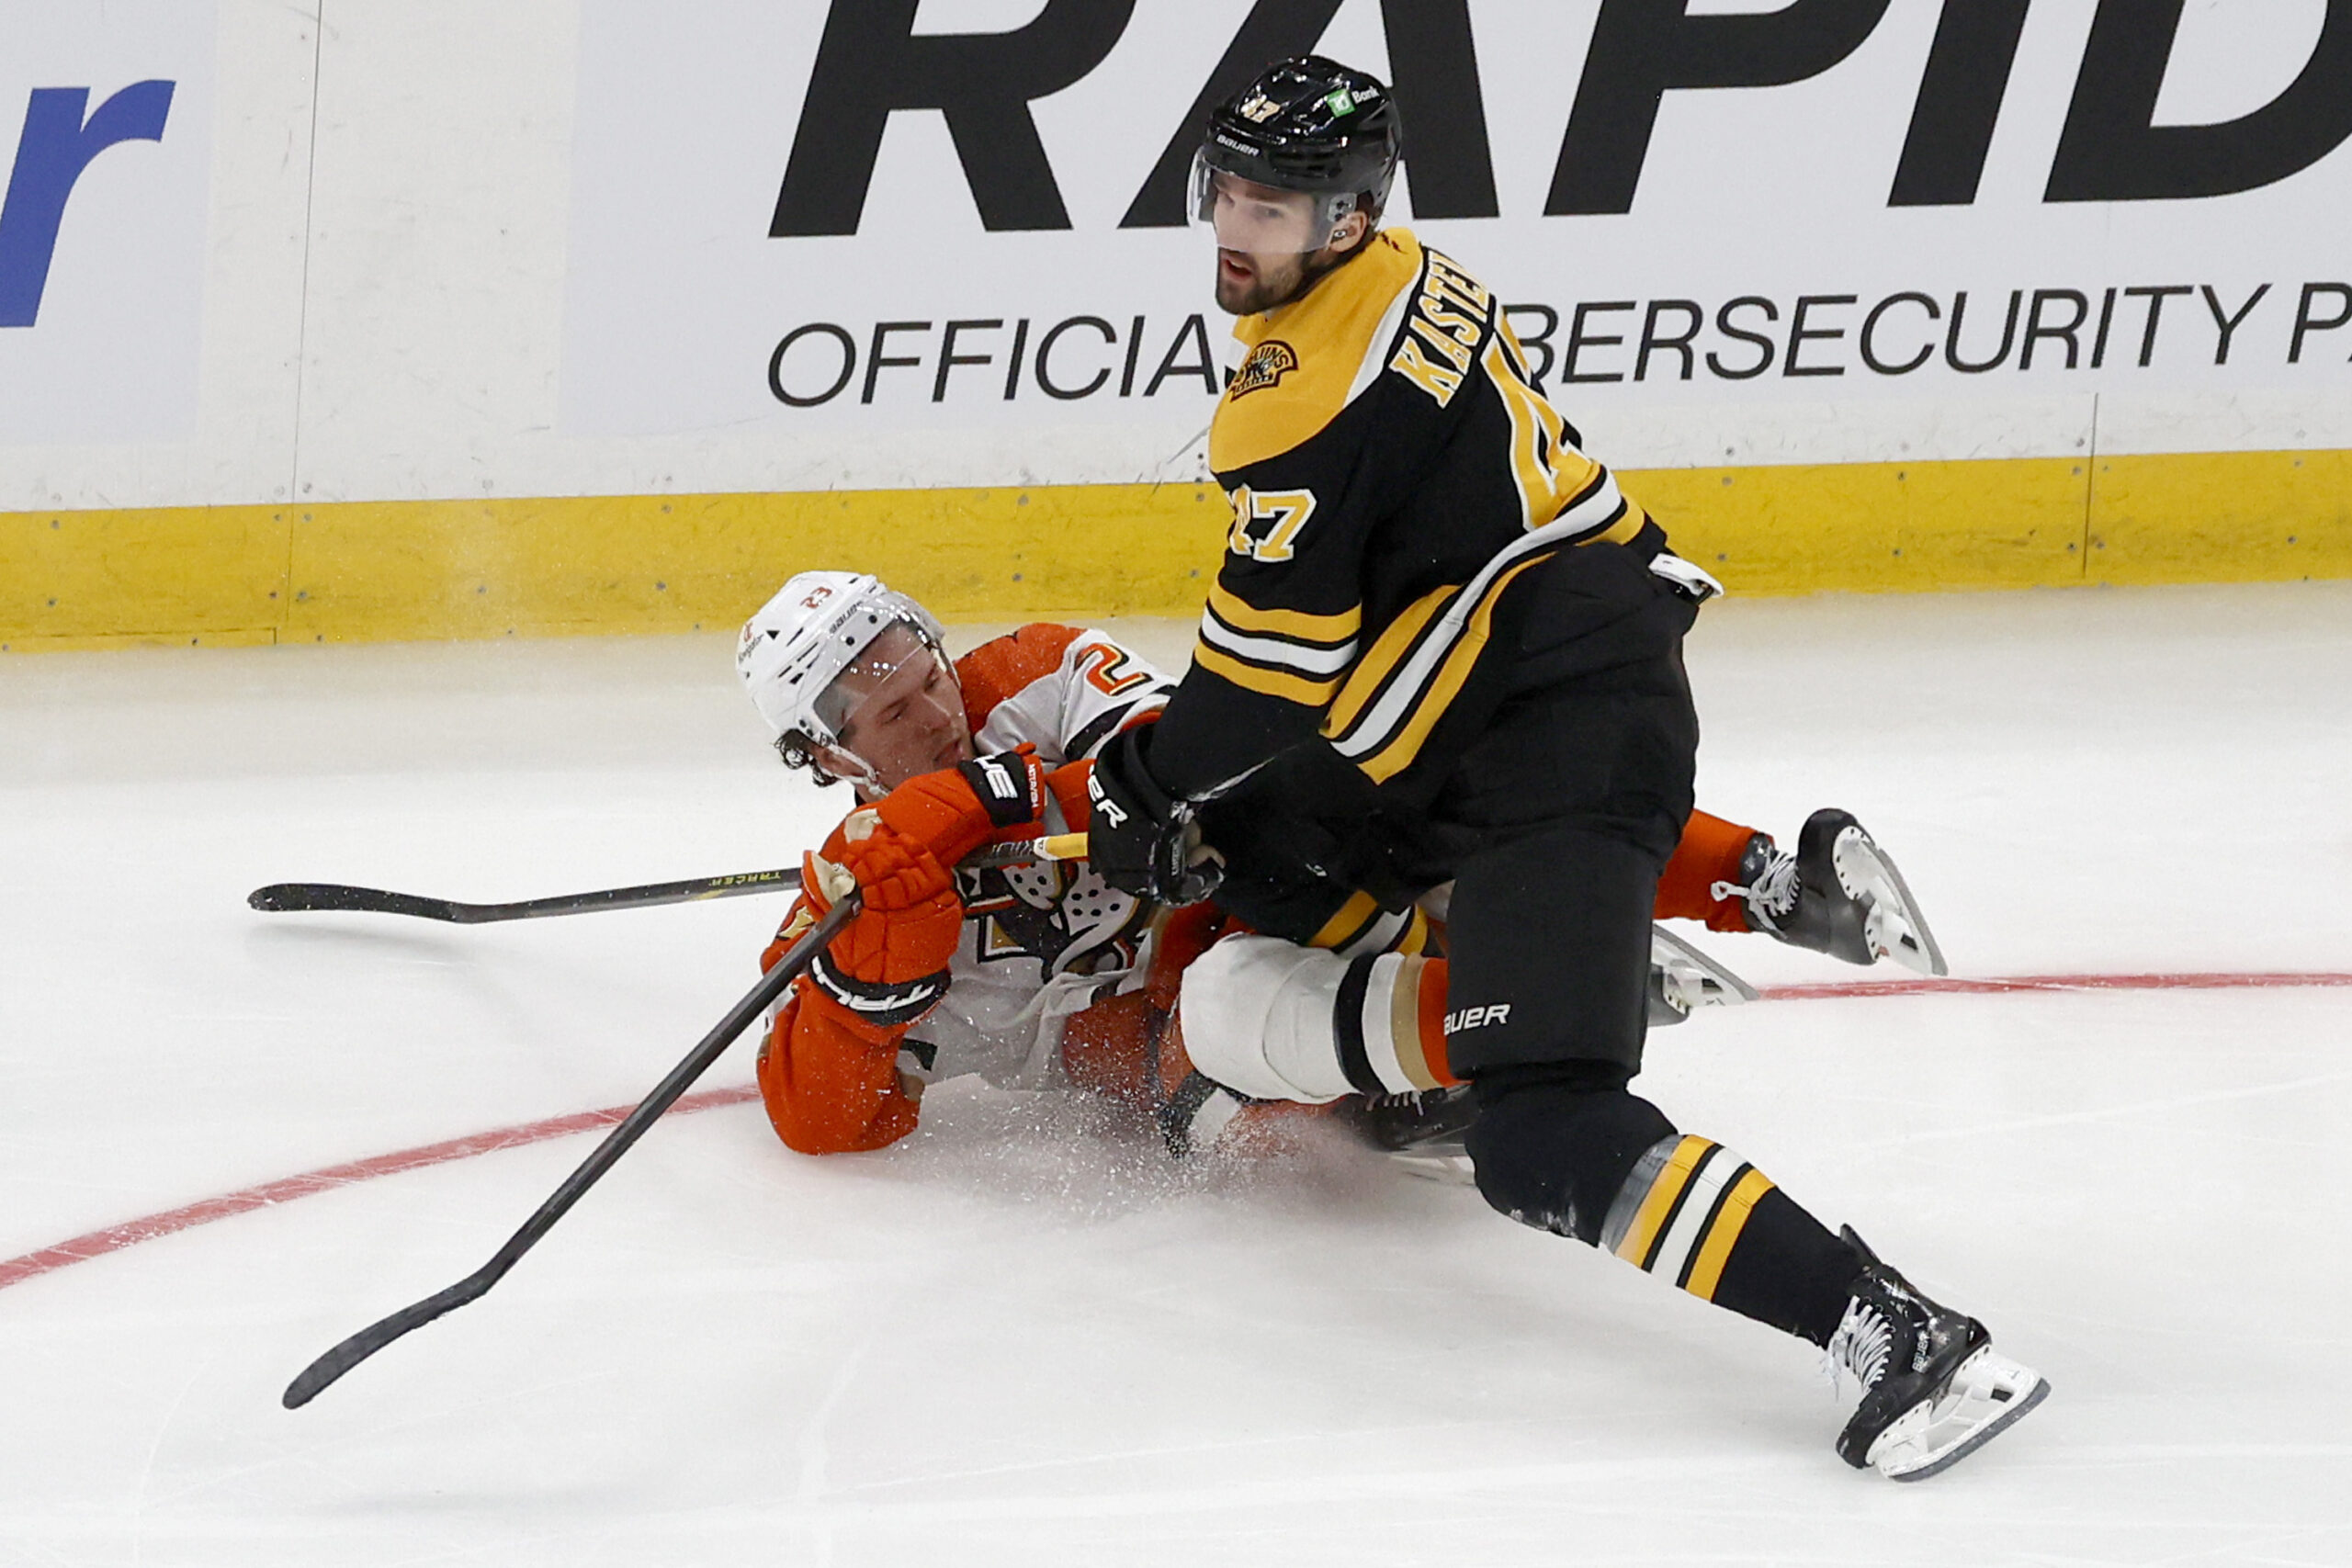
<point x="2223" y="981"/>
<point x="114" y="1238"/>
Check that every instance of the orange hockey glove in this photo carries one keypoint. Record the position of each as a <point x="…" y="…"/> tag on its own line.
<point x="888" y="966"/>
<point x="831" y="1085"/>
<point x="955" y="811"/>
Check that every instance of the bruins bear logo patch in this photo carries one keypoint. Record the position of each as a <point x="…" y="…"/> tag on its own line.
<point x="1267" y="364"/>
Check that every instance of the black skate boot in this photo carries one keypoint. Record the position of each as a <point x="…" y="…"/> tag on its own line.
<point x="1394" y="1122"/>
<point x="1933" y="1389"/>
<point x="1839" y="894"/>
<point x="1423" y="1133"/>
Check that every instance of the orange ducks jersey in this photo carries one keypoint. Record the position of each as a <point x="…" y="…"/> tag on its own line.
<point x="1040" y="942"/>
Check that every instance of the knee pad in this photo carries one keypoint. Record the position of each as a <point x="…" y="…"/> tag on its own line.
<point x="1257" y="1018"/>
<point x="1559" y="1155"/>
<point x="1277" y="1021"/>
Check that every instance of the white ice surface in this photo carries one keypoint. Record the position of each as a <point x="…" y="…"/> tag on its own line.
<point x="1014" y="1338"/>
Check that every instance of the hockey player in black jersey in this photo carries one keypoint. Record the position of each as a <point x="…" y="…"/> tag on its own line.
<point x="1443" y="647"/>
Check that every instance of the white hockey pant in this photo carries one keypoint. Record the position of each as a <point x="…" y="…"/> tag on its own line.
<point x="1273" y="1021"/>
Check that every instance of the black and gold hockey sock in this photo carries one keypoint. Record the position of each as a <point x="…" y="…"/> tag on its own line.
<point x="1697" y="1215"/>
<point x="1566" y="1148"/>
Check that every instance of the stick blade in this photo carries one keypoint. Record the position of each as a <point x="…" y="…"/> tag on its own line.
<point x="375" y="1336"/>
<point x="280" y="898"/>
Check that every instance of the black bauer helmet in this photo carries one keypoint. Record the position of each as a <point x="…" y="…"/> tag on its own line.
<point x="1308" y="125"/>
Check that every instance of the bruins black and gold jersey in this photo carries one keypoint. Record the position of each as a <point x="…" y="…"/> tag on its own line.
<point x="1395" y="477"/>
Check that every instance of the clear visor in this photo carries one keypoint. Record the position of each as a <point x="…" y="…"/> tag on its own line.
<point x="1259" y="220"/>
<point x="870" y="670"/>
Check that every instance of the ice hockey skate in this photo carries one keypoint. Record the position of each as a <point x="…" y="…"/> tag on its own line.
<point x="1934" y="1389"/>
<point x="1422" y="1133"/>
<point x="1683" y="978"/>
<point x="1839" y="894"/>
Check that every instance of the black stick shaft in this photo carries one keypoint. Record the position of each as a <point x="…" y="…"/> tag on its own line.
<point x="282" y="897"/>
<point x="369" y="1340"/>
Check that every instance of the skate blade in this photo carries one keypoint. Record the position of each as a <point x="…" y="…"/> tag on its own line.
<point x="1894" y="928"/>
<point x="1439" y="1163"/>
<point x="1690" y="978"/>
<point x="1987" y="1395"/>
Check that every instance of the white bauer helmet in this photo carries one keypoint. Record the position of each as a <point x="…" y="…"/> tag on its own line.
<point x="800" y="642"/>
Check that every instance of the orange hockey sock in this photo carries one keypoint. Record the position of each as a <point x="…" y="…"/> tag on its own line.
<point x="1710" y="852"/>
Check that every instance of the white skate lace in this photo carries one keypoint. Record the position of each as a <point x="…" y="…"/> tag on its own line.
<point x="1860" y="1347"/>
<point x="1774" y="893"/>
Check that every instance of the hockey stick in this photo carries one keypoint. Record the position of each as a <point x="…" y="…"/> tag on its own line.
<point x="374" y="1337"/>
<point x="279" y="898"/>
<point x="282" y="897"/>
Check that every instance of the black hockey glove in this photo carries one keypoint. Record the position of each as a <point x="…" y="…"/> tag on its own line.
<point x="1142" y="839"/>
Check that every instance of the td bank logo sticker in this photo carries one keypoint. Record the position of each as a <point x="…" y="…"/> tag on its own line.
<point x="1267" y="364"/>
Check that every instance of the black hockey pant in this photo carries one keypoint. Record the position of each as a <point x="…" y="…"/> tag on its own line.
<point x="1553" y="829"/>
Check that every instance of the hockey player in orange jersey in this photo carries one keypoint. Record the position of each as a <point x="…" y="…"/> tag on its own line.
<point x="1044" y="976"/>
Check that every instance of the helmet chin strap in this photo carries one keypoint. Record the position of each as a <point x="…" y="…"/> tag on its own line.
<point x="862" y="775"/>
<point x="866" y="777"/>
<point x="1310" y="274"/>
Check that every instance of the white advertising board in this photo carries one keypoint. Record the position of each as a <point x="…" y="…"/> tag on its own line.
<point x="1827" y="229"/>
<point x="106" y="115"/>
